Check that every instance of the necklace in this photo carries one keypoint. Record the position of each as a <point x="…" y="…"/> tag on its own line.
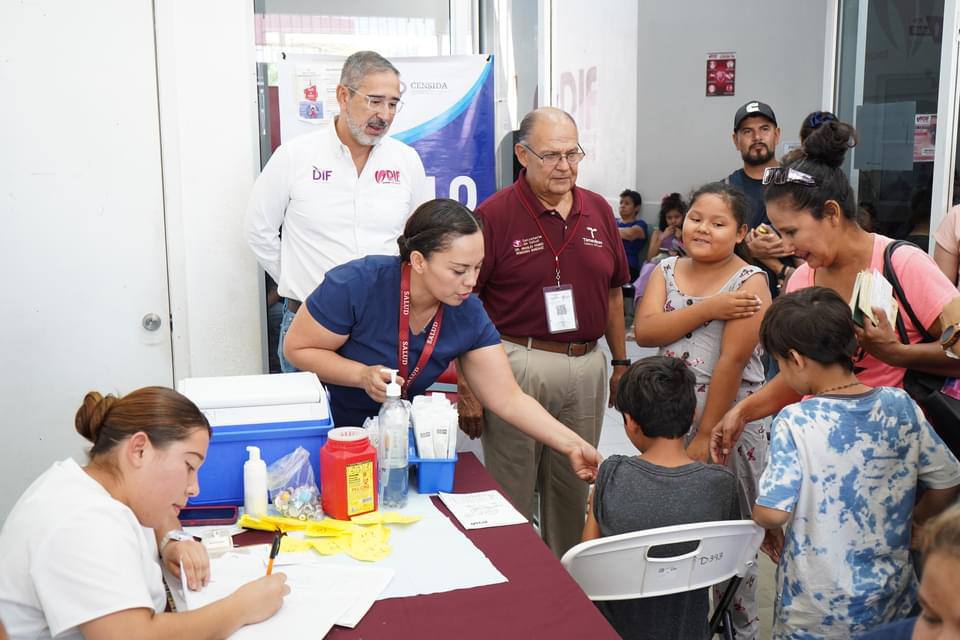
<point x="837" y="388"/>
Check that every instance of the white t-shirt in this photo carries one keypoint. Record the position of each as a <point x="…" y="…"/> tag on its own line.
<point x="71" y="553"/>
<point x="330" y="215"/>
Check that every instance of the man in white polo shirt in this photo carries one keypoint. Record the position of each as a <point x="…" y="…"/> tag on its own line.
<point x="340" y="193"/>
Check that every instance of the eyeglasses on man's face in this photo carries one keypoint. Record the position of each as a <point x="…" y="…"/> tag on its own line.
<point x="380" y="103"/>
<point x="552" y="158"/>
<point x="783" y="175"/>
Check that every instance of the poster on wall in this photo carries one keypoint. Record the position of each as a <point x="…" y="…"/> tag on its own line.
<point x="721" y="74"/>
<point x="924" y="137"/>
<point x="447" y="115"/>
<point x="316" y="91"/>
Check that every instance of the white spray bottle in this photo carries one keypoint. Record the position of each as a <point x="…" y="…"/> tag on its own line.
<point x="255" y="483"/>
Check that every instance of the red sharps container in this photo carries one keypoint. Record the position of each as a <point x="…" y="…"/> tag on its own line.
<point x="348" y="473"/>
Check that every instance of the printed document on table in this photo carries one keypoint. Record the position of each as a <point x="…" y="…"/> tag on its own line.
<point x="482" y="509"/>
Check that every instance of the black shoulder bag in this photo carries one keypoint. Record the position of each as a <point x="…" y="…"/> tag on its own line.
<point x="941" y="410"/>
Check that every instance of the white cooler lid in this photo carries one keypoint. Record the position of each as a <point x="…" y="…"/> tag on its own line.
<point x="253" y="391"/>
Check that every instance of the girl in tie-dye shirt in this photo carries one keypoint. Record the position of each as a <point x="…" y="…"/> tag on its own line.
<point x="843" y="472"/>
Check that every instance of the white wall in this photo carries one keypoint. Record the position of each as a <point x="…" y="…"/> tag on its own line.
<point x="594" y="78"/>
<point x="683" y="137"/>
<point x="82" y="249"/>
<point x="208" y="113"/>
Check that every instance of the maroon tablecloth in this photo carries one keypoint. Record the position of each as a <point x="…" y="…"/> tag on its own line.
<point x="540" y="599"/>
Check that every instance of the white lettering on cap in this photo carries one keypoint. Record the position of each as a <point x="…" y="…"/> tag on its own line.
<point x="753" y="106"/>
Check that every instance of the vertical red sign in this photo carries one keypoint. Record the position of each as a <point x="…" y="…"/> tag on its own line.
<point x="721" y="74"/>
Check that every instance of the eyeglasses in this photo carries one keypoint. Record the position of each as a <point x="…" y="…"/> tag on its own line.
<point x="783" y="175"/>
<point x="377" y="103"/>
<point x="552" y="158"/>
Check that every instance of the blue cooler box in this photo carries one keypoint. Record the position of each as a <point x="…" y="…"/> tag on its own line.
<point x="277" y="413"/>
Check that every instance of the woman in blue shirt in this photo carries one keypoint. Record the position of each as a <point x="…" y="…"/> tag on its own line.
<point x="416" y="313"/>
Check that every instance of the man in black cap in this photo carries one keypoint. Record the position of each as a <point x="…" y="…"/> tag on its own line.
<point x="756" y="135"/>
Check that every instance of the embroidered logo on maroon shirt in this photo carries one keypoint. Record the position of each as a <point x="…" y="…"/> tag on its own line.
<point x="527" y="245"/>
<point x="592" y="240"/>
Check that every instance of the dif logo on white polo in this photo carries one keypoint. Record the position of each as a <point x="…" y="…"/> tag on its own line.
<point x="322" y="174"/>
<point x="387" y="176"/>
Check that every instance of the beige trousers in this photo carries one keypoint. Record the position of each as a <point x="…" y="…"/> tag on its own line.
<point x="573" y="390"/>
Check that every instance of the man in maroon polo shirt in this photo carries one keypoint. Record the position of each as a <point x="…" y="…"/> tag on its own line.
<point x="552" y="271"/>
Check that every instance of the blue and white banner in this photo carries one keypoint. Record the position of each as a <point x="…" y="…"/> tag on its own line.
<point x="447" y="115"/>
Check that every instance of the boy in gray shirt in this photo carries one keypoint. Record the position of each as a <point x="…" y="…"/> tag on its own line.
<point x="662" y="488"/>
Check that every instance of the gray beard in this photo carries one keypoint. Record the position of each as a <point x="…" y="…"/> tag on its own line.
<point x="360" y="135"/>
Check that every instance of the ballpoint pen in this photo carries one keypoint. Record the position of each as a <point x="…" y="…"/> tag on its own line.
<point x="274" y="550"/>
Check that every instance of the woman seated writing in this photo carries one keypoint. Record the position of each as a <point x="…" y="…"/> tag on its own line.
<point x="79" y="551"/>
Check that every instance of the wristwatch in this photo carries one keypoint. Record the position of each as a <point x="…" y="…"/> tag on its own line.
<point x="625" y="362"/>
<point x="173" y="534"/>
<point x="948" y="338"/>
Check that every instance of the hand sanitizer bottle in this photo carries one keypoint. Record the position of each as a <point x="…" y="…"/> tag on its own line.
<point x="394" y="419"/>
<point x="255" y="483"/>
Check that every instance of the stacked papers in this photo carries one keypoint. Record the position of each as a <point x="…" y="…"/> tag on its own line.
<point x="320" y="595"/>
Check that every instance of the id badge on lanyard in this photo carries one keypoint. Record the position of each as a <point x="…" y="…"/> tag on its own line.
<point x="561" y="312"/>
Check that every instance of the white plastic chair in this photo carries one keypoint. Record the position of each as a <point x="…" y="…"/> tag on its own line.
<point x="618" y="567"/>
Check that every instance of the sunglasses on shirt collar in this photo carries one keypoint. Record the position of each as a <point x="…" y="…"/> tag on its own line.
<point x="783" y="175"/>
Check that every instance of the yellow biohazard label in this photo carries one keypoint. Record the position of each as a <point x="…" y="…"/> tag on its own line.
<point x="360" y="487"/>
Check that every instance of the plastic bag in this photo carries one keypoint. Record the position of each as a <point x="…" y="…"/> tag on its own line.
<point x="293" y="489"/>
<point x="372" y="425"/>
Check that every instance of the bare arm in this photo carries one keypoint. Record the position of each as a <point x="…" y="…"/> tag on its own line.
<point x="254" y="602"/>
<point x="654" y="327"/>
<point x="469" y="411"/>
<point x="773" y="396"/>
<point x="491" y="379"/>
<point x="312" y="347"/>
<point x="616" y="338"/>
<point x="770" y="518"/>
<point x="947" y="262"/>
<point x="632" y="233"/>
<point x="654" y="247"/>
<point x="739" y="340"/>
<point x="591" y="528"/>
<point x="881" y="341"/>
<point x="189" y="554"/>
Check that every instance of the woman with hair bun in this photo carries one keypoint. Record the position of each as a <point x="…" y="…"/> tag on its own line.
<point x="812" y="205"/>
<point x="79" y="551"/>
<point x="375" y="312"/>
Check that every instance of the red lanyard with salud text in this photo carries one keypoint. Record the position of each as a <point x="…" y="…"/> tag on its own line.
<point x="546" y="239"/>
<point x="403" y="339"/>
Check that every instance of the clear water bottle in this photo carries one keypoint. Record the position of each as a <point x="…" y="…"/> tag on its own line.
<point x="394" y="419"/>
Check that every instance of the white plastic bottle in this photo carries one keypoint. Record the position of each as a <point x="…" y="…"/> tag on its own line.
<point x="394" y="419"/>
<point x="255" y="483"/>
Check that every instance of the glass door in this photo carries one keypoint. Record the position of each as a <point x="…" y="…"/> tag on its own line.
<point x="890" y="87"/>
